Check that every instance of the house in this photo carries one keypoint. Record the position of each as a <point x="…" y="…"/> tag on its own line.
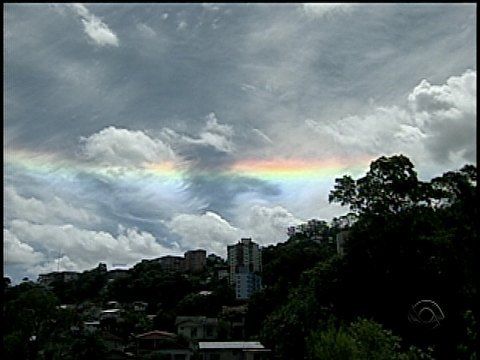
<point x="111" y="314"/>
<point x="113" y="305"/>
<point x="171" y="346"/>
<point x="197" y="327"/>
<point x="91" y="326"/>
<point x="232" y="350"/>
<point x="139" y="306"/>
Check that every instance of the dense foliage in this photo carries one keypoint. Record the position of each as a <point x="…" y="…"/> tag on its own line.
<point x="408" y="241"/>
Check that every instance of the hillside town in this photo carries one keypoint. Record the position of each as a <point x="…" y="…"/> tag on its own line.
<point x="220" y="334"/>
<point x="353" y="286"/>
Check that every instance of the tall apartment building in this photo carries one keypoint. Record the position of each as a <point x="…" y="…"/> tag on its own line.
<point x="195" y="260"/>
<point x="245" y="266"/>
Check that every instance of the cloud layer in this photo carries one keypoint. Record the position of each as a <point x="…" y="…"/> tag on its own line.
<point x="124" y="124"/>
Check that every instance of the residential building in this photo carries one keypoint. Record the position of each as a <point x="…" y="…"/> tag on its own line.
<point x="116" y="274"/>
<point x="222" y="272"/>
<point x="172" y="263"/>
<point x="113" y="305"/>
<point x="291" y="230"/>
<point x="60" y="276"/>
<point x="232" y="350"/>
<point x="91" y="326"/>
<point x="244" y="254"/>
<point x="114" y="314"/>
<point x="245" y="266"/>
<point x="195" y="260"/>
<point x="215" y="259"/>
<point x="140" y="306"/>
<point x="246" y="283"/>
<point x="197" y="327"/>
<point x="168" y="345"/>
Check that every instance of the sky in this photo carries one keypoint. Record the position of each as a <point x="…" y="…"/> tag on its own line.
<point x="137" y="131"/>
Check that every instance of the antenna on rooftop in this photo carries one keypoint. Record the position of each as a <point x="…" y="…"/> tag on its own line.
<point x="59" y="258"/>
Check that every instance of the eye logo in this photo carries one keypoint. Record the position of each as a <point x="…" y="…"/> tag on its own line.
<point x="426" y="313"/>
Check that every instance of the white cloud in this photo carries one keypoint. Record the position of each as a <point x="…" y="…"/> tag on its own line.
<point x="438" y="125"/>
<point x="447" y="114"/>
<point x="182" y="25"/>
<point x="53" y="211"/>
<point x="85" y="248"/>
<point x="262" y="136"/>
<point x="97" y="30"/>
<point x="266" y="224"/>
<point x="214" y="134"/>
<point x="17" y="252"/>
<point x="323" y="9"/>
<point x="207" y="231"/>
<point x="146" y="30"/>
<point x="211" y="6"/>
<point x="121" y="147"/>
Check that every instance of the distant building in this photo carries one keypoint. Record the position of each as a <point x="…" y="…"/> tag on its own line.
<point x="91" y="326"/>
<point x="60" y="276"/>
<point x="167" y="345"/>
<point x="215" y="259"/>
<point x="291" y="230"/>
<point x="222" y="272"/>
<point x="116" y="274"/>
<point x="140" y="306"/>
<point x="232" y="350"/>
<point x="113" y="305"/>
<point x="341" y="238"/>
<point x="195" y="260"/>
<point x="172" y="263"/>
<point x="197" y="327"/>
<point x="245" y="266"/>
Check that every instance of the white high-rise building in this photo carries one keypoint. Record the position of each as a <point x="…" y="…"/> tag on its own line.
<point x="245" y="266"/>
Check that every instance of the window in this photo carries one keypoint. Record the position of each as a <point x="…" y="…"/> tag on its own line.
<point x="194" y="332"/>
<point x="214" y="357"/>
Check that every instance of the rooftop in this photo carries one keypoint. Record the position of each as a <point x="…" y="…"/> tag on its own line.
<point x="231" y="345"/>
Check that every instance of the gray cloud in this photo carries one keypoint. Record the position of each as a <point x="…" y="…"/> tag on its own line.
<point x="279" y="82"/>
<point x="54" y="211"/>
<point x="17" y="252"/>
<point x="85" y="248"/>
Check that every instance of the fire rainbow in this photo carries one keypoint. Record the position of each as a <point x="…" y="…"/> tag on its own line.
<point x="274" y="170"/>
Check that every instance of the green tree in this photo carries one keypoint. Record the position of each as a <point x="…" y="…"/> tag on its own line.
<point x="390" y="185"/>
<point x="361" y="340"/>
